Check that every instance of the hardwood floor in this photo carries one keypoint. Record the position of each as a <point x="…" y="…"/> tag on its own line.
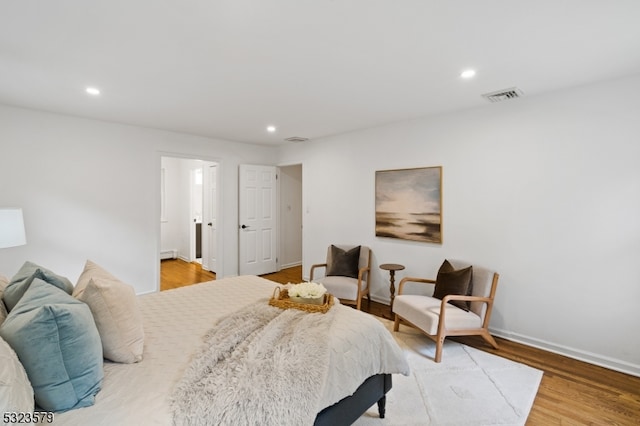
<point x="571" y="392"/>
<point x="176" y="273"/>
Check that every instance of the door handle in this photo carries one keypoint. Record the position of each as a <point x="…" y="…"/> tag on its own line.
<point x="244" y="226"/>
<point x="209" y="224"/>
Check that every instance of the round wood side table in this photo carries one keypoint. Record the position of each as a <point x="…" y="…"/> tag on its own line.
<point x="392" y="268"/>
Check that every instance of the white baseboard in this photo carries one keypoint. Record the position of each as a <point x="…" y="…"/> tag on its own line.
<point x="384" y="301"/>
<point x="226" y="276"/>
<point x="169" y="254"/>
<point x="580" y="355"/>
<point x="290" y="265"/>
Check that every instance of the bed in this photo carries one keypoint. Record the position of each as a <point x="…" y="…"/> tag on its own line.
<point x="175" y="322"/>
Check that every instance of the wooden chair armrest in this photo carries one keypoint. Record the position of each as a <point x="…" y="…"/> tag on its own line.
<point x="414" y="280"/>
<point x="449" y="297"/>
<point x="317" y="265"/>
<point x="362" y="271"/>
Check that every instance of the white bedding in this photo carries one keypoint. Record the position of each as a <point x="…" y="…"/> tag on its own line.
<point x="176" y="320"/>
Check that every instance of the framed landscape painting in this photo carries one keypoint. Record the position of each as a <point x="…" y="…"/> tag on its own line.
<point x="409" y="204"/>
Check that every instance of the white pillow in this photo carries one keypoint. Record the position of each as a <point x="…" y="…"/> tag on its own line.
<point x="91" y="270"/>
<point x="115" y="310"/>
<point x="16" y="393"/>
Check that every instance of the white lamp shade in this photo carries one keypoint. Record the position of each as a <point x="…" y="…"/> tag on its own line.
<point x="11" y="228"/>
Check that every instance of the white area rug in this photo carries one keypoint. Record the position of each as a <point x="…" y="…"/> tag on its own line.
<point x="469" y="387"/>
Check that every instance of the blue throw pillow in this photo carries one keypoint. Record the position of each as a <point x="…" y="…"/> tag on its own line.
<point x="25" y="276"/>
<point x="58" y="344"/>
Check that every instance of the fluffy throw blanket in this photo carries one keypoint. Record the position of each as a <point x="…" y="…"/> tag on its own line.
<point x="259" y="366"/>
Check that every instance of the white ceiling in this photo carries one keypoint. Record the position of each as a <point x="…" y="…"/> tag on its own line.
<point x="313" y="68"/>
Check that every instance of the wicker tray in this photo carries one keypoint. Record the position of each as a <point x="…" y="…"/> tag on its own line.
<point x="280" y="299"/>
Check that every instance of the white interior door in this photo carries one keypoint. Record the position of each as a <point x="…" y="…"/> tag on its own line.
<point x="258" y="221"/>
<point x="211" y="219"/>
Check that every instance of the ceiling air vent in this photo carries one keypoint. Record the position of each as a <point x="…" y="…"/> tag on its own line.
<point x="296" y="139"/>
<point x="503" y="95"/>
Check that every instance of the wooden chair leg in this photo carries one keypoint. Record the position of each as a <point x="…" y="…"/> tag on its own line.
<point x="439" y="345"/>
<point x="490" y="340"/>
<point x="396" y="323"/>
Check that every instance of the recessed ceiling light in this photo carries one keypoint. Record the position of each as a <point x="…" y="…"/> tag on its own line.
<point x="271" y="129"/>
<point x="468" y="73"/>
<point x="93" y="91"/>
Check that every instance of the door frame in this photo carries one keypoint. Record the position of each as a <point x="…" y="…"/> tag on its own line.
<point x="206" y="214"/>
<point x="158" y="207"/>
<point x="192" y="228"/>
<point x="281" y="239"/>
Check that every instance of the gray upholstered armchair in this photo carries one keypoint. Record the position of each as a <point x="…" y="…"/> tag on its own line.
<point x="436" y="317"/>
<point x="347" y="271"/>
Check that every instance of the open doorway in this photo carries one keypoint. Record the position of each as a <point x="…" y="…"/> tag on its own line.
<point x="190" y="203"/>
<point x="290" y="216"/>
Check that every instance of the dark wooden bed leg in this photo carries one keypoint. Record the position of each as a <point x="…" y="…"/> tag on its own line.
<point x="347" y="410"/>
<point x="382" y="403"/>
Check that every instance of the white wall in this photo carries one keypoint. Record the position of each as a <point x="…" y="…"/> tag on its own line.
<point x="175" y="230"/>
<point x="545" y="189"/>
<point x="174" y="234"/>
<point x="91" y="190"/>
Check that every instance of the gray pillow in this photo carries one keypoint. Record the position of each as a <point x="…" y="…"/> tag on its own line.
<point x="57" y="341"/>
<point x="452" y="281"/>
<point x="25" y="276"/>
<point x="344" y="263"/>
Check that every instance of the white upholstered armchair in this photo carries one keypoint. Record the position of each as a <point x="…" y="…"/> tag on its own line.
<point x="347" y="271"/>
<point x="436" y="317"/>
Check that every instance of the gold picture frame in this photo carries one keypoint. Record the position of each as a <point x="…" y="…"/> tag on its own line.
<point x="409" y="204"/>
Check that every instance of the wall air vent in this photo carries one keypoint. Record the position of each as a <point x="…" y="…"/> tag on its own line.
<point x="296" y="139"/>
<point x="503" y="95"/>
